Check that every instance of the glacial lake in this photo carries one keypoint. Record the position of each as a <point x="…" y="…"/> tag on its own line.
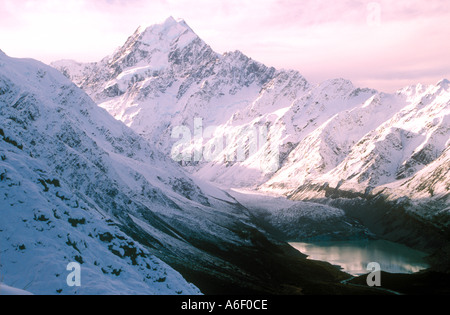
<point x="354" y="256"/>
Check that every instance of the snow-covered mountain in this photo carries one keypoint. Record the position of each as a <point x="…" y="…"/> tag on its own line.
<point x="64" y="170"/>
<point x="391" y="151"/>
<point x="79" y="186"/>
<point x="272" y="130"/>
<point x="384" y="139"/>
<point x="165" y="76"/>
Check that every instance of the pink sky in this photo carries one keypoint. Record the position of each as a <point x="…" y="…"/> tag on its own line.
<point x="379" y="44"/>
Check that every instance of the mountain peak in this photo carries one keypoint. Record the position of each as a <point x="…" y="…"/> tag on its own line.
<point x="167" y="23"/>
<point x="443" y="82"/>
<point x="170" y="30"/>
<point x="170" y="20"/>
<point x="152" y="45"/>
<point x="338" y="83"/>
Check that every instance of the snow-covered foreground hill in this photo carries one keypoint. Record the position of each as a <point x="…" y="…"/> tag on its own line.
<point x="64" y="165"/>
<point x="238" y="123"/>
<point x="7" y="290"/>
<point x="78" y="186"/>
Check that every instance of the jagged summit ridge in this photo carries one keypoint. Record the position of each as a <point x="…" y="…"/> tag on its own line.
<point x="79" y="186"/>
<point x="444" y="83"/>
<point x="170" y="31"/>
<point x="166" y="24"/>
<point x="151" y="48"/>
<point x="332" y="132"/>
<point x="169" y="70"/>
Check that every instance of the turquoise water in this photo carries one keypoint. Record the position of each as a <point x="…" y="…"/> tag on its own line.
<point x="354" y="256"/>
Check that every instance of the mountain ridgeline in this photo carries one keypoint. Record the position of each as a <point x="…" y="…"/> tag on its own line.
<point x="88" y="174"/>
<point x="383" y="158"/>
<point x="80" y="187"/>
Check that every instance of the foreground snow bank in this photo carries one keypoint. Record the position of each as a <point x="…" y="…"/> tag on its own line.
<point x="7" y="290"/>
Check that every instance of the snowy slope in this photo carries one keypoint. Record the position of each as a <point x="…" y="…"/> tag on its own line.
<point x="78" y="185"/>
<point x="291" y="135"/>
<point x="7" y="290"/>
<point x="271" y="130"/>
<point x="44" y="227"/>
<point x="387" y="138"/>
<point x="289" y="131"/>
<point x="425" y="194"/>
<point x="165" y="76"/>
<point x="49" y="215"/>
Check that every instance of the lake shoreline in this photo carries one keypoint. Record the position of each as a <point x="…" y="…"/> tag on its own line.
<point x="423" y="282"/>
<point x="354" y="256"/>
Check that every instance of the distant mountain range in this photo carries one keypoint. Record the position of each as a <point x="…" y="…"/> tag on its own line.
<point x="78" y="186"/>
<point x="112" y="194"/>
<point x="355" y="142"/>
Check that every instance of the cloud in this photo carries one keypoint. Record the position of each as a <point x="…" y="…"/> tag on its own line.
<point x="320" y="38"/>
